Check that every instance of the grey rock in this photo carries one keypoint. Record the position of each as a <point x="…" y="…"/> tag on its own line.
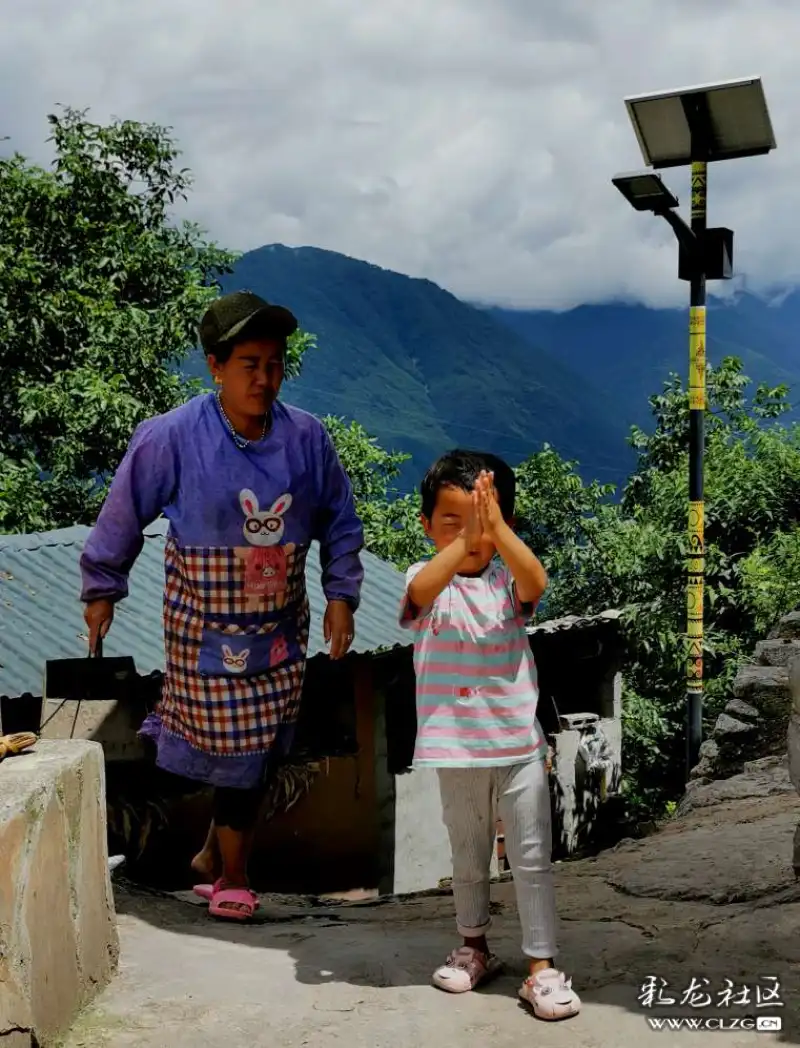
<point x="793" y="750"/>
<point x="714" y="763"/>
<point x="788" y="628"/>
<point x="742" y="711"/>
<point x="776" y="652"/>
<point x="728" y="862"/>
<point x="703" y="772"/>
<point x="734" y="742"/>
<point x="759" y="779"/>
<point x="767" y="764"/>
<point x="706" y="767"/>
<point x="693" y="788"/>
<point x="730" y="726"/>
<point x="752" y="680"/>
<point x="794" y="684"/>
<point x="709" y="749"/>
<point x="766" y="688"/>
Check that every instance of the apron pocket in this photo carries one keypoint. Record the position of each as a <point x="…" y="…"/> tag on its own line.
<point x="236" y="652"/>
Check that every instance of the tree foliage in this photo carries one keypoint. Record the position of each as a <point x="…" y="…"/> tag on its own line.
<point x="99" y="297"/>
<point x="100" y="294"/>
<point x="632" y="555"/>
<point x="392" y="527"/>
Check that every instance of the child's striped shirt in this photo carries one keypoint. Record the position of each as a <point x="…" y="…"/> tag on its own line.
<point x="476" y="677"/>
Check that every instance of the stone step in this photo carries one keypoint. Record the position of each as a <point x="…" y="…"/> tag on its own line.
<point x="729" y="728"/>
<point x="742" y="711"/>
<point x="764" y="687"/>
<point x="777" y="652"/>
<point x="788" y="628"/>
<point x="767" y="690"/>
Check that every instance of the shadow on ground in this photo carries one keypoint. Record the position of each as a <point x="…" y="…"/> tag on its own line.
<point x="711" y="897"/>
<point x="612" y="944"/>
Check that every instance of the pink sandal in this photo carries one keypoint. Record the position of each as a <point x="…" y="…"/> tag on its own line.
<point x="206" y="891"/>
<point x="232" y="904"/>
<point x="551" y="996"/>
<point x="465" y="969"/>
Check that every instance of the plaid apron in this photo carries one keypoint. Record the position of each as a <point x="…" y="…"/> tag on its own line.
<point x="236" y="627"/>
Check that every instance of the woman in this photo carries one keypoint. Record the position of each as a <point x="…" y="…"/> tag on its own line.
<point x="246" y="484"/>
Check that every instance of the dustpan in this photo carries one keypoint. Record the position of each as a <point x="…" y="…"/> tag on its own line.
<point x="90" y="678"/>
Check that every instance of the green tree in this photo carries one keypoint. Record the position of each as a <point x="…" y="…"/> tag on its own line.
<point x="769" y="579"/>
<point x="100" y="294"/>
<point x="392" y="528"/>
<point x="632" y="556"/>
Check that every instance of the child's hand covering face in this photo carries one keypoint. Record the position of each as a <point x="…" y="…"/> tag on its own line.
<point x="473" y="529"/>
<point x="488" y="507"/>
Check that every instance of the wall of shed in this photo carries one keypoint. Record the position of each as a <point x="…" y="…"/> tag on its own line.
<point x="329" y="840"/>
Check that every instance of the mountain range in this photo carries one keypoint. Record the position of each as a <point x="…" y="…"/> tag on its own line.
<point x="423" y="371"/>
<point x="630" y="350"/>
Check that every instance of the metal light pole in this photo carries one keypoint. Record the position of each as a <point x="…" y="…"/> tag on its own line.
<point x="695" y="580"/>
<point x="696" y="126"/>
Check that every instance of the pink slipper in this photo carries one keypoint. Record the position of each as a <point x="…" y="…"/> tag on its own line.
<point x="465" y="969"/>
<point x="550" y="994"/>
<point x="206" y="891"/>
<point x="223" y="901"/>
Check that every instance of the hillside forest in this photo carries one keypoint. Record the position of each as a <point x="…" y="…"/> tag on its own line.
<point x="100" y="293"/>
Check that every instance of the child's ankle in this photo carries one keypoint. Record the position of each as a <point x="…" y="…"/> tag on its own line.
<point x="480" y="944"/>
<point x="538" y="964"/>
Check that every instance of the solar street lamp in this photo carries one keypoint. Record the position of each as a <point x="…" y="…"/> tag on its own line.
<point x="645" y="192"/>
<point x="695" y="126"/>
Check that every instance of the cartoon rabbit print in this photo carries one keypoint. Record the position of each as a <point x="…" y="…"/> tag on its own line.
<point x="234" y="663"/>
<point x="264" y="528"/>
<point x="266" y="567"/>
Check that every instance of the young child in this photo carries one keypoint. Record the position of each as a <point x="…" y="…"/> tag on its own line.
<point x="476" y="712"/>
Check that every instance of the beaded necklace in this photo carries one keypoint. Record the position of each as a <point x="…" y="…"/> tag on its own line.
<point x="240" y="441"/>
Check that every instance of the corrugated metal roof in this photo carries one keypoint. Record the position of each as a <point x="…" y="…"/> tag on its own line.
<point x="41" y="616"/>
<point x="574" y="622"/>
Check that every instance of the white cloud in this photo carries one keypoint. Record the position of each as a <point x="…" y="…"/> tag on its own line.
<point x="467" y="141"/>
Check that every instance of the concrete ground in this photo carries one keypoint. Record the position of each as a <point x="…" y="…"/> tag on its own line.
<point x="711" y="897"/>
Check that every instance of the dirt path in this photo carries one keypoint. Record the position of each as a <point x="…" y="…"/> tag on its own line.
<point x="711" y="897"/>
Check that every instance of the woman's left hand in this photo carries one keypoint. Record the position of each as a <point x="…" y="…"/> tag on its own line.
<point x="338" y="627"/>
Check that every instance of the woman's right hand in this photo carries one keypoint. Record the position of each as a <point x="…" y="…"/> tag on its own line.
<point x="99" y="614"/>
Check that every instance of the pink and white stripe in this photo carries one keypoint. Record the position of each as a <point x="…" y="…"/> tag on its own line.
<point x="476" y="678"/>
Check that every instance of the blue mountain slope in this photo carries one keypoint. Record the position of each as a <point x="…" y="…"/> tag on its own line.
<point x="630" y="350"/>
<point x="424" y="371"/>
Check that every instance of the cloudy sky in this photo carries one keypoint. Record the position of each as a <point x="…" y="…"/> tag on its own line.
<point x="467" y="141"/>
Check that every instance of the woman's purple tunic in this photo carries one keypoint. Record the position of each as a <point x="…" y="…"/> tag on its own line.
<point x="236" y="613"/>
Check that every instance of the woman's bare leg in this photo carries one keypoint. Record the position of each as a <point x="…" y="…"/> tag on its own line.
<point x="234" y="847"/>
<point x="207" y="863"/>
<point x="236" y="814"/>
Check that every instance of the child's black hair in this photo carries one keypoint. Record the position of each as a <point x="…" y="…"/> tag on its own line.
<point x="460" y="469"/>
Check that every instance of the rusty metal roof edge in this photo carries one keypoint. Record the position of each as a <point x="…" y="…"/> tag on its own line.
<point x="67" y="536"/>
<point x="574" y="622"/>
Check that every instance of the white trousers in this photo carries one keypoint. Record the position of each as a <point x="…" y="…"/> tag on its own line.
<point x="472" y="800"/>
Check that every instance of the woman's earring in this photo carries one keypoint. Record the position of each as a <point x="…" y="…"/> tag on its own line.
<point x="218" y="380"/>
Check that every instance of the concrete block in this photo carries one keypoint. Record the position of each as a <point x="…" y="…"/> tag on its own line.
<point x="421" y="844"/>
<point x="111" y="723"/>
<point x="58" y="936"/>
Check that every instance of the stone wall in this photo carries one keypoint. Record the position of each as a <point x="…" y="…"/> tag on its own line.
<point x="58" y="937"/>
<point x="755" y="720"/>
